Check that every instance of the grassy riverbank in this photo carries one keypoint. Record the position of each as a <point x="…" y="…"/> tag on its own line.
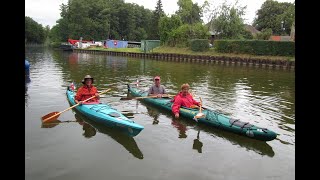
<point x="210" y="52"/>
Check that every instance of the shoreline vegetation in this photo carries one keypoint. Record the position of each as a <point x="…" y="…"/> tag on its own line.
<point x="185" y="35"/>
<point x="188" y="51"/>
<point x="269" y="39"/>
<point x="163" y="53"/>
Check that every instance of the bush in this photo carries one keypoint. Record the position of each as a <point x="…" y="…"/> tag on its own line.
<point x="180" y="36"/>
<point x="199" y="44"/>
<point x="247" y="34"/>
<point x="264" y="34"/>
<point x="256" y="47"/>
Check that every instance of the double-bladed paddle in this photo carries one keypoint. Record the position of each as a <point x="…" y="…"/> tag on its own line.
<point x="200" y="114"/>
<point x="54" y="115"/>
<point x="144" y="97"/>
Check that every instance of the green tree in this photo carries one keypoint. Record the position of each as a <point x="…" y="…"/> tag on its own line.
<point x="182" y="35"/>
<point x="34" y="32"/>
<point x="189" y="12"/>
<point x="157" y="14"/>
<point x="100" y="19"/>
<point x="146" y="22"/>
<point x="167" y="25"/>
<point x="227" y="21"/>
<point x="279" y="16"/>
<point x="46" y="31"/>
<point x="54" y="34"/>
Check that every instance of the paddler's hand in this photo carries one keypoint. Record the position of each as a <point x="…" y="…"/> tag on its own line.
<point x="97" y="95"/>
<point x="165" y="95"/>
<point x="80" y="102"/>
<point x="176" y="115"/>
<point x="194" y="106"/>
<point x="159" y="95"/>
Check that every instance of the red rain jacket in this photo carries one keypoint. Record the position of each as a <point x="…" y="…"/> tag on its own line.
<point x="85" y="92"/>
<point x="180" y="100"/>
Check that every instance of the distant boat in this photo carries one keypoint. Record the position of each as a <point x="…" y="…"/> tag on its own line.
<point x="74" y="43"/>
<point x="66" y="47"/>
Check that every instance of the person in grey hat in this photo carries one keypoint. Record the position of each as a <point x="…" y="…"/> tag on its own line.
<point x="86" y="91"/>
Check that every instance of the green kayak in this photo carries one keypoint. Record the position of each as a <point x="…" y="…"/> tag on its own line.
<point x="211" y="118"/>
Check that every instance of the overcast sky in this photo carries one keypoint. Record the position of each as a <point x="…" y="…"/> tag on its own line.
<point x="47" y="12"/>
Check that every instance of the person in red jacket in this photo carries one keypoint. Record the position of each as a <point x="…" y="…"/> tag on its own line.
<point x="86" y="91"/>
<point x="183" y="98"/>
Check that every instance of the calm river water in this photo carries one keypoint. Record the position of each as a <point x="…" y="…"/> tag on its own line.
<point x="167" y="148"/>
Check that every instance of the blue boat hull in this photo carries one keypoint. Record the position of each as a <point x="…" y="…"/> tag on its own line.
<point x="26" y="68"/>
<point x="106" y="115"/>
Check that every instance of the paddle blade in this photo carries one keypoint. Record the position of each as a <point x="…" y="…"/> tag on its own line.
<point x="50" y="117"/>
<point x="200" y="115"/>
<point x="50" y="124"/>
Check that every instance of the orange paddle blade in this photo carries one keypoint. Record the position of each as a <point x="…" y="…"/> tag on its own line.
<point x="50" y="117"/>
<point x="51" y="124"/>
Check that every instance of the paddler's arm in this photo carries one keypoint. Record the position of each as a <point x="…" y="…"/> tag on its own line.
<point x="96" y="93"/>
<point x="196" y="104"/>
<point x="176" y="108"/>
<point x="77" y="97"/>
<point x="150" y="92"/>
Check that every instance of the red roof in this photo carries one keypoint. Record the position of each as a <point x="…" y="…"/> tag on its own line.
<point x="73" y="41"/>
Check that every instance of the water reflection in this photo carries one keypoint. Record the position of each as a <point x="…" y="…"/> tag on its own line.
<point x="155" y="114"/>
<point x="90" y="127"/>
<point x="181" y="128"/>
<point x="88" y="130"/>
<point x="182" y="125"/>
<point x="197" y="144"/>
<point x="52" y="124"/>
<point x="264" y="97"/>
<point x="260" y="147"/>
<point x="26" y="95"/>
<point x="73" y="58"/>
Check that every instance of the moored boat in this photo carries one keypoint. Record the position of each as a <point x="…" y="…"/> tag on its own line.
<point x="66" y="47"/>
<point x="211" y="118"/>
